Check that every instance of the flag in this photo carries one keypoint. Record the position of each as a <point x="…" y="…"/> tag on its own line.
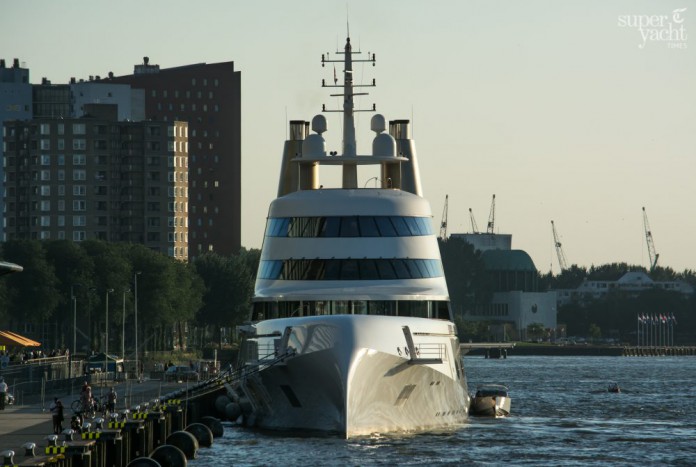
<point x="335" y="78"/>
<point x="674" y="320"/>
<point x="663" y="318"/>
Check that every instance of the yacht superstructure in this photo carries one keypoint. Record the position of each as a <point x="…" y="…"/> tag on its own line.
<point x="351" y="329"/>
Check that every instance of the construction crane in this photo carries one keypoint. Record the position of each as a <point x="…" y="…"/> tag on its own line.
<point x="559" y="250"/>
<point x="474" y="227"/>
<point x="651" y="244"/>
<point x="443" y="223"/>
<point x="491" y="218"/>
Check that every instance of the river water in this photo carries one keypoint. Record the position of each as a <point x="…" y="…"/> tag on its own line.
<point x="561" y="415"/>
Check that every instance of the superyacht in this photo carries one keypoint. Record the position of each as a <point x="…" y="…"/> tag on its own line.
<point x="351" y="331"/>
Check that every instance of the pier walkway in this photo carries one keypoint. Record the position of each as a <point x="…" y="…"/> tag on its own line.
<point x="32" y="421"/>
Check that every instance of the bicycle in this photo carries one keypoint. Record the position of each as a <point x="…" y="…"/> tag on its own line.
<point x="95" y="406"/>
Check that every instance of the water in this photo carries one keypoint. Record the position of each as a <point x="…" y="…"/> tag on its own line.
<point x="561" y="415"/>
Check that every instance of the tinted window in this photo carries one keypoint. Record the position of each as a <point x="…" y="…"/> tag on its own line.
<point x="331" y="227"/>
<point x="368" y="227"/>
<point x="400" y="226"/>
<point x="349" y="270"/>
<point x="386" y="229"/>
<point x="349" y="227"/>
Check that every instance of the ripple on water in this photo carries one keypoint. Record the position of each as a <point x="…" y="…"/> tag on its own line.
<point x="561" y="415"/>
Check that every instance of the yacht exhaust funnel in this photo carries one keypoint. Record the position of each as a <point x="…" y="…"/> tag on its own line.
<point x="289" y="176"/>
<point x="406" y="147"/>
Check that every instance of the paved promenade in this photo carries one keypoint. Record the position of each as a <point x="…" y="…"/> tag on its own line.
<point x="31" y="421"/>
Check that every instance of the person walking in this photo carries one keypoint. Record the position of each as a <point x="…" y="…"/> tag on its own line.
<point x="111" y="400"/>
<point x="86" y="397"/>
<point x="56" y="409"/>
<point x="3" y="393"/>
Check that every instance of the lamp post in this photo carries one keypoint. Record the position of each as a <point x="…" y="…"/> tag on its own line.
<point x="106" y="340"/>
<point x="135" y="312"/>
<point x="74" y="336"/>
<point x="74" y="300"/>
<point x="123" y="326"/>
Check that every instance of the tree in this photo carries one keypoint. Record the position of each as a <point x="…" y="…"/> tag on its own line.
<point x="228" y="290"/>
<point x="34" y="295"/>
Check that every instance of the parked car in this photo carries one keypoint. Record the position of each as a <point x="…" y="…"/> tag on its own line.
<point x="180" y="373"/>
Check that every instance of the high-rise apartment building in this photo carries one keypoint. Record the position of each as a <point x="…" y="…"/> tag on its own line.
<point x="208" y="97"/>
<point x="15" y="100"/>
<point x="98" y="178"/>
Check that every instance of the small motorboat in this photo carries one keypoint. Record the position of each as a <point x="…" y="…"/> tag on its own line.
<point x="490" y="400"/>
<point x="614" y="387"/>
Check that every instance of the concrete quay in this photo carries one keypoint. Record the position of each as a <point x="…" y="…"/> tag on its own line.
<point x="31" y="421"/>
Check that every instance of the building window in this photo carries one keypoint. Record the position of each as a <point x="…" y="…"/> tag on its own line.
<point x="45" y="235"/>
<point x="79" y="159"/>
<point x="45" y="221"/>
<point x="45" y="190"/>
<point x="61" y="205"/>
<point x="45" y="159"/>
<point x="79" y="235"/>
<point x="45" y="205"/>
<point x="79" y="205"/>
<point x="78" y="128"/>
<point x="61" y="144"/>
<point x="45" y="144"/>
<point x="79" y="221"/>
<point x="79" y="144"/>
<point x="79" y="190"/>
<point x="61" y="128"/>
<point x="61" y="235"/>
<point x="45" y="175"/>
<point x="61" y="159"/>
<point x="45" y="129"/>
<point x="79" y="174"/>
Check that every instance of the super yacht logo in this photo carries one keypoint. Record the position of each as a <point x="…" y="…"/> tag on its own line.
<point x="669" y="29"/>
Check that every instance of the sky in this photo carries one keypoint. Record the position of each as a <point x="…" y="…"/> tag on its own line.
<point x="577" y="112"/>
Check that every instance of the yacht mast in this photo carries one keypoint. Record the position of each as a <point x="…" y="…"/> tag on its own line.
<point x="350" y="173"/>
<point x="348" y="104"/>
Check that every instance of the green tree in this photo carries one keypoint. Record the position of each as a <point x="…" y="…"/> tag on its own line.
<point x="35" y="295"/>
<point x="228" y="290"/>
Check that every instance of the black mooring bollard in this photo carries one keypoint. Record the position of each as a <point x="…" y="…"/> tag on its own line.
<point x="203" y="434"/>
<point x="169" y="456"/>
<point x="215" y="426"/>
<point x="184" y="441"/>
<point x="144" y="462"/>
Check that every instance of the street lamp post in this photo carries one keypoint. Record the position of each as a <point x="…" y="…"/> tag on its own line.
<point x="74" y="336"/>
<point x="123" y="326"/>
<point x="106" y="340"/>
<point x="135" y="312"/>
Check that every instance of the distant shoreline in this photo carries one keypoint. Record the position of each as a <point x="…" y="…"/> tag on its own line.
<point x="589" y="350"/>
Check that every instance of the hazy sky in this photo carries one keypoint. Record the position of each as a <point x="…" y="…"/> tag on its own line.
<point x="565" y="110"/>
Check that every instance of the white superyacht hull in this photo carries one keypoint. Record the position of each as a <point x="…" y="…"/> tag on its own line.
<point x="348" y="378"/>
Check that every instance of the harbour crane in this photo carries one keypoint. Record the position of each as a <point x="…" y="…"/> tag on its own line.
<point x="559" y="250"/>
<point x="474" y="227"/>
<point x="491" y="218"/>
<point x="651" y="244"/>
<point x="443" y="222"/>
